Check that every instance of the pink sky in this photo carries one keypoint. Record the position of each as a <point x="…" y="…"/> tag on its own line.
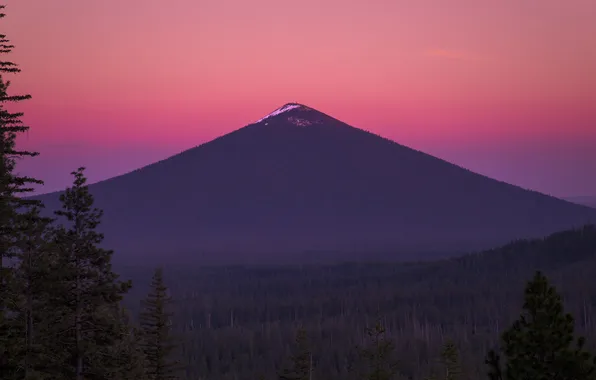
<point x="506" y="88"/>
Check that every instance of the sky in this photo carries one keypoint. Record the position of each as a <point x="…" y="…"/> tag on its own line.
<point x="505" y="88"/>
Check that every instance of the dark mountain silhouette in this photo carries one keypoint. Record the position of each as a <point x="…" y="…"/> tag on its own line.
<point x="301" y="181"/>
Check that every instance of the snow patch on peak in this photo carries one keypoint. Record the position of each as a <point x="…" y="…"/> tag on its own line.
<point x="285" y="108"/>
<point x="299" y="122"/>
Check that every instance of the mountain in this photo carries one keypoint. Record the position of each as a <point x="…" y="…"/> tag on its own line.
<point x="589" y="201"/>
<point x="299" y="181"/>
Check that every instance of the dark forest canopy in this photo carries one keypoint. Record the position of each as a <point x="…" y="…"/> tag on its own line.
<point x="239" y="321"/>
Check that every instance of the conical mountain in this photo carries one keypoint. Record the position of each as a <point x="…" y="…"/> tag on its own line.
<point x="301" y="181"/>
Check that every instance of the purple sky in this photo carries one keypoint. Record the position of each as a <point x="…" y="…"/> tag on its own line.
<point x="507" y="89"/>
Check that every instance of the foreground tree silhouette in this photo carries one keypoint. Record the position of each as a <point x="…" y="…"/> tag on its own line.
<point x="378" y="356"/>
<point x="158" y="343"/>
<point x="29" y="283"/>
<point x="11" y="186"/>
<point x="541" y="345"/>
<point x="450" y="363"/>
<point x="301" y="360"/>
<point x="130" y="362"/>
<point x="84" y="291"/>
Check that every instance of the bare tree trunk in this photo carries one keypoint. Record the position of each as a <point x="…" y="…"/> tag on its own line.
<point x="3" y="350"/>
<point x="78" y="337"/>
<point x="29" y="314"/>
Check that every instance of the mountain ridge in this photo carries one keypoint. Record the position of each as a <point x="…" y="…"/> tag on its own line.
<point x="573" y="200"/>
<point x="585" y="200"/>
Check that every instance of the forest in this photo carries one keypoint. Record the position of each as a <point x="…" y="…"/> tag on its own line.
<point x="241" y="321"/>
<point x="522" y="311"/>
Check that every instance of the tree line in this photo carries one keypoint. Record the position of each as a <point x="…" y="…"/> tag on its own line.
<point x="62" y="314"/>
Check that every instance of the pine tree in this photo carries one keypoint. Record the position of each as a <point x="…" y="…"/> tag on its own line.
<point x="301" y="367"/>
<point x="84" y="291"/>
<point x="450" y="361"/>
<point x="377" y="356"/>
<point x="11" y="186"/>
<point x="495" y="371"/>
<point x="29" y="287"/>
<point x="158" y="343"/>
<point x="541" y="345"/>
<point x="125" y="359"/>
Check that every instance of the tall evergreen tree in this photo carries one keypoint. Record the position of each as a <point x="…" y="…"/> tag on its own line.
<point x="301" y="367"/>
<point x="125" y="359"/>
<point x="84" y="291"/>
<point x="450" y="361"/>
<point x="378" y="355"/>
<point x="495" y="367"/>
<point x="541" y="345"/>
<point x="29" y="288"/>
<point x="158" y="343"/>
<point x="11" y="186"/>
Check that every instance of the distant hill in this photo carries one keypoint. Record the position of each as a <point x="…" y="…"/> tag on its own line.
<point x="589" y="201"/>
<point x="300" y="181"/>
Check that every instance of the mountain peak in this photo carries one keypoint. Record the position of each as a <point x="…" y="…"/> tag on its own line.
<point x="300" y="181"/>
<point x="285" y="108"/>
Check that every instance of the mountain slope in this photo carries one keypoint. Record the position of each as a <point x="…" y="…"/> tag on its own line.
<point x="585" y="200"/>
<point x="299" y="180"/>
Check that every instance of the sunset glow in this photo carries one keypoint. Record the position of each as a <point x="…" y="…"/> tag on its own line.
<point x="505" y="88"/>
